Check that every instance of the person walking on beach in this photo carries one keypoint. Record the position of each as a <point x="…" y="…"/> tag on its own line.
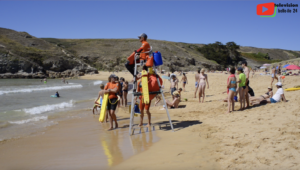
<point x="174" y="84"/>
<point x="184" y="81"/>
<point x="100" y="96"/>
<point x="125" y="92"/>
<point x="196" y="82"/>
<point x="274" y="76"/>
<point x="242" y="88"/>
<point x="247" y="73"/>
<point x="231" y="86"/>
<point x="112" y="88"/>
<point x="203" y="80"/>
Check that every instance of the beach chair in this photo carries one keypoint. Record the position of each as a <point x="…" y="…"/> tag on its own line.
<point x="135" y="93"/>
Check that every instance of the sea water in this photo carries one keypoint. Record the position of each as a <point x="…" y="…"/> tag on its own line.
<point x="26" y="104"/>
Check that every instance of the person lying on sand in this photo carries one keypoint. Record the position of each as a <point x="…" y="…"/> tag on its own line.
<point x="257" y="100"/>
<point x="279" y="95"/>
<point x="175" y="103"/>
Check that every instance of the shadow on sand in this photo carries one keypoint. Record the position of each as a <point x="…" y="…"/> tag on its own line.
<point x="177" y="125"/>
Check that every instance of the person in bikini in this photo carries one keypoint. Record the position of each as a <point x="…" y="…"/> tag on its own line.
<point x="196" y="82"/>
<point x="256" y="100"/>
<point x="231" y="86"/>
<point x="175" y="103"/>
<point x="184" y="81"/>
<point x="202" y="83"/>
<point x="125" y="91"/>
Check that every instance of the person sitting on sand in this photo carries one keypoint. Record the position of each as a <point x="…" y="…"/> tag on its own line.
<point x="242" y="87"/>
<point x="184" y="81"/>
<point x="175" y="103"/>
<point x="277" y="96"/>
<point x="231" y="86"/>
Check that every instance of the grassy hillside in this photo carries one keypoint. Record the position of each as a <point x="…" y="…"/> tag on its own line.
<point x="111" y="54"/>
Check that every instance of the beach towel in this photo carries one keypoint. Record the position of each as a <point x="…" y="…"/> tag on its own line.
<point x="231" y="75"/>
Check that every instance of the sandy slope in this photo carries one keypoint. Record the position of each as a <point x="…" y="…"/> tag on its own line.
<point x="263" y="137"/>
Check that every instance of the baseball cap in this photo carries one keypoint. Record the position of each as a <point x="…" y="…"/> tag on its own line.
<point x="112" y="75"/>
<point x="143" y="35"/>
<point x="279" y="84"/>
<point x="240" y="69"/>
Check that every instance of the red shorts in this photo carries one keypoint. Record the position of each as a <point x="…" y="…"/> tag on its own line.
<point x="143" y="105"/>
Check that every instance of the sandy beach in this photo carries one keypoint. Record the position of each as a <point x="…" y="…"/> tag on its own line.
<point x="262" y="137"/>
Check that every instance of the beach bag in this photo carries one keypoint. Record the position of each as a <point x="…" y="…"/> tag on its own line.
<point x="149" y="62"/>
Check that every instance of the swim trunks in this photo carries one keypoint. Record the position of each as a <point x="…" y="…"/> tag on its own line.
<point x="184" y="82"/>
<point x="172" y="90"/>
<point x="112" y="104"/>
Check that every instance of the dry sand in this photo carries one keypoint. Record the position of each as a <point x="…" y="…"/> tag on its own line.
<point x="262" y="137"/>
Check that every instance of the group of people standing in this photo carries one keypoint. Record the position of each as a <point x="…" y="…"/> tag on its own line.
<point x="117" y="91"/>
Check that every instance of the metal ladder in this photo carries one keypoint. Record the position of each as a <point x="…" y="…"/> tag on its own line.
<point x="135" y="93"/>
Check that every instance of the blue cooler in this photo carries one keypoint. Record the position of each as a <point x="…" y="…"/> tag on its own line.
<point x="157" y="59"/>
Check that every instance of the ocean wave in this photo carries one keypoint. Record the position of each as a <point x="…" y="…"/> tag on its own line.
<point x="47" y="108"/>
<point x="38" y="88"/>
<point x="97" y="82"/>
<point x="34" y="119"/>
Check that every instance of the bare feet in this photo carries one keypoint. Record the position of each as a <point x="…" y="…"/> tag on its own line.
<point x="140" y="125"/>
<point x="241" y="109"/>
<point x="116" y="125"/>
<point x="148" y="125"/>
<point x="227" y="112"/>
<point x="110" y="129"/>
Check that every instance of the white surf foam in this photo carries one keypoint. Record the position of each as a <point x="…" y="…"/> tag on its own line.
<point x="34" y="119"/>
<point x="47" y="108"/>
<point x="97" y="82"/>
<point x="37" y="88"/>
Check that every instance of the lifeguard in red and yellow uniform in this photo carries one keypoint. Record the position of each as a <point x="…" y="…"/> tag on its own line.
<point x="143" y="52"/>
<point x="153" y="87"/>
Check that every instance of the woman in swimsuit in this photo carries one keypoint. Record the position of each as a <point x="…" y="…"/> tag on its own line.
<point x="185" y="81"/>
<point x="231" y="86"/>
<point x="125" y="92"/>
<point x="202" y="83"/>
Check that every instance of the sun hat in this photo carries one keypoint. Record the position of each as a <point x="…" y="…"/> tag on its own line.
<point x="279" y="84"/>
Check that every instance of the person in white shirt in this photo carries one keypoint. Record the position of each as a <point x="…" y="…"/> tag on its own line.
<point x="278" y="95"/>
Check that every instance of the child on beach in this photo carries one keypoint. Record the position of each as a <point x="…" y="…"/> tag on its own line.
<point x="242" y="88"/>
<point x="231" y="86"/>
<point x="184" y="81"/>
<point x="100" y="95"/>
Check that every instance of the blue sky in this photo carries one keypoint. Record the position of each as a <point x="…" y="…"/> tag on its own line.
<point x="180" y="21"/>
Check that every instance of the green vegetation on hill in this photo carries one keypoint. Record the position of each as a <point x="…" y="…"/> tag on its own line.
<point x="222" y="54"/>
<point x="259" y="57"/>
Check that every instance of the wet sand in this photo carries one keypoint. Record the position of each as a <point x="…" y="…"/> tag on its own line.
<point x="261" y="137"/>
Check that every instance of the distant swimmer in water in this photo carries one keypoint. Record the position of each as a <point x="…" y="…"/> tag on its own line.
<point x="45" y="80"/>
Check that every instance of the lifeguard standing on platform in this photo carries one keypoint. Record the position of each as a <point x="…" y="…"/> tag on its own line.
<point x="143" y="52"/>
